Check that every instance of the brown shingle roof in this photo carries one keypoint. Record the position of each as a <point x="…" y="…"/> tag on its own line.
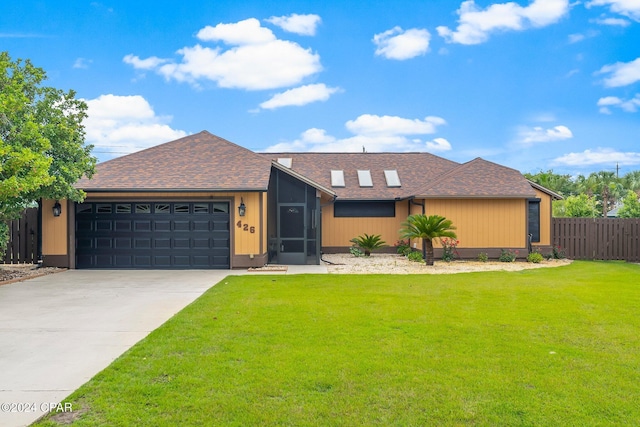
<point x="208" y="163"/>
<point x="197" y="162"/>
<point x="414" y="170"/>
<point x="479" y="179"/>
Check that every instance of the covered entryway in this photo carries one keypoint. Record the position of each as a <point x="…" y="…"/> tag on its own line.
<point x="294" y="226"/>
<point x="178" y="235"/>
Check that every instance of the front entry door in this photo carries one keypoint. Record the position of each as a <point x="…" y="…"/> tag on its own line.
<point x="292" y="227"/>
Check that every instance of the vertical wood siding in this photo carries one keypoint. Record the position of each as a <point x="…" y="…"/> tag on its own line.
<point x="545" y="218"/>
<point x="484" y="223"/>
<point x="336" y="232"/>
<point x="54" y="229"/>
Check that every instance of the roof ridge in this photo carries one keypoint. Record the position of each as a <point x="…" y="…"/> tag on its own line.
<point x="460" y="166"/>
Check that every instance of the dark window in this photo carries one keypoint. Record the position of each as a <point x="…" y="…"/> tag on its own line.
<point x="365" y="209"/>
<point x="121" y="208"/>
<point x="101" y="209"/>
<point x="143" y="208"/>
<point x="202" y="208"/>
<point x="162" y="208"/>
<point x="533" y="215"/>
<point x="221" y="207"/>
<point x="179" y="208"/>
<point x="84" y="208"/>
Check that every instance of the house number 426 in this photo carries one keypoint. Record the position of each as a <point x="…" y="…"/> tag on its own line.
<point x="246" y="227"/>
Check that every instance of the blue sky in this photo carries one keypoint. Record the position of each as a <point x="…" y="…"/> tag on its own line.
<point x="534" y="85"/>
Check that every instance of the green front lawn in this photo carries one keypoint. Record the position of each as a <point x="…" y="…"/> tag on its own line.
<point x="552" y="346"/>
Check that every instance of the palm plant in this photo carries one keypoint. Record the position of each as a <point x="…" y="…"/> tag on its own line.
<point x="427" y="228"/>
<point x="369" y="243"/>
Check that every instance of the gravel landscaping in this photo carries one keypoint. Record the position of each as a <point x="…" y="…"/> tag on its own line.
<point x="397" y="264"/>
<point x="10" y="273"/>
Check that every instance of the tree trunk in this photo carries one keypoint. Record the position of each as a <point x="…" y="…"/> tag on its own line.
<point x="428" y="256"/>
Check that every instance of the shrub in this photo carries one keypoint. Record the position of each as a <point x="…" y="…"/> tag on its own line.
<point x="403" y="247"/>
<point x="355" y="251"/>
<point x="535" y="257"/>
<point x="369" y="243"/>
<point x="507" y="255"/>
<point x="449" y="249"/>
<point x="483" y="257"/>
<point x="415" y="256"/>
<point x="557" y="253"/>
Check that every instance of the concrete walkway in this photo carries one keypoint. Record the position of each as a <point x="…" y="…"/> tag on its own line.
<point x="58" y="331"/>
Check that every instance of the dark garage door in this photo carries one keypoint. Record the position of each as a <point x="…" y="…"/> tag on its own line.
<point x="152" y="235"/>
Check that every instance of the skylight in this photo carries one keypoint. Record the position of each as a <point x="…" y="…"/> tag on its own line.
<point x="364" y="177"/>
<point x="337" y="178"/>
<point x="285" y="161"/>
<point x="393" y="180"/>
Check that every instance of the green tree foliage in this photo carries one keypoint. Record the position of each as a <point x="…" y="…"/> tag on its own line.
<point x="580" y="206"/>
<point x="427" y="228"/>
<point x="42" y="149"/>
<point x="630" y="206"/>
<point x="561" y="184"/>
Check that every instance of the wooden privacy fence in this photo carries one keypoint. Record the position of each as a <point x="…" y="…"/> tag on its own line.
<point x="598" y="238"/>
<point x="23" y="239"/>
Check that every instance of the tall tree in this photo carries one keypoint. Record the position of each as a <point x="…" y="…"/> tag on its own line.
<point x="42" y="148"/>
<point x="427" y="228"/>
<point x="561" y="184"/>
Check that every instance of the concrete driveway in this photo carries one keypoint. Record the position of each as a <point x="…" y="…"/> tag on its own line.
<point x="58" y="331"/>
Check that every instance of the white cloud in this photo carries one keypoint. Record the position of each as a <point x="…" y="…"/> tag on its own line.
<point x="124" y="124"/>
<point x="438" y="144"/>
<point x="630" y="106"/>
<point x="299" y="96"/>
<point x="373" y="133"/>
<point x="599" y="156"/>
<point x="398" y="44"/>
<point x="628" y="8"/>
<point x="612" y="21"/>
<point x="143" y="64"/>
<point x="305" y="25"/>
<point x="82" y="63"/>
<point x="575" y="38"/>
<point x="528" y="136"/>
<point x="475" y="24"/>
<point x="621" y="73"/>
<point x="241" y="33"/>
<point x="372" y="125"/>
<point x="257" y="60"/>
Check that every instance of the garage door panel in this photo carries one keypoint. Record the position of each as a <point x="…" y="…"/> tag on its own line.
<point x="181" y="226"/>
<point x="123" y="226"/>
<point x="142" y="225"/>
<point x="162" y="225"/>
<point x="153" y="235"/>
<point x="162" y="243"/>
<point x="103" y="225"/>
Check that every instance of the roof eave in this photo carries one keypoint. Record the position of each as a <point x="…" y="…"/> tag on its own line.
<point x="172" y="190"/>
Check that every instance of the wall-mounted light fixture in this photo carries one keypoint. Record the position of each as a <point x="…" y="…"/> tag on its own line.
<point x="242" y="209"/>
<point x="57" y="208"/>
